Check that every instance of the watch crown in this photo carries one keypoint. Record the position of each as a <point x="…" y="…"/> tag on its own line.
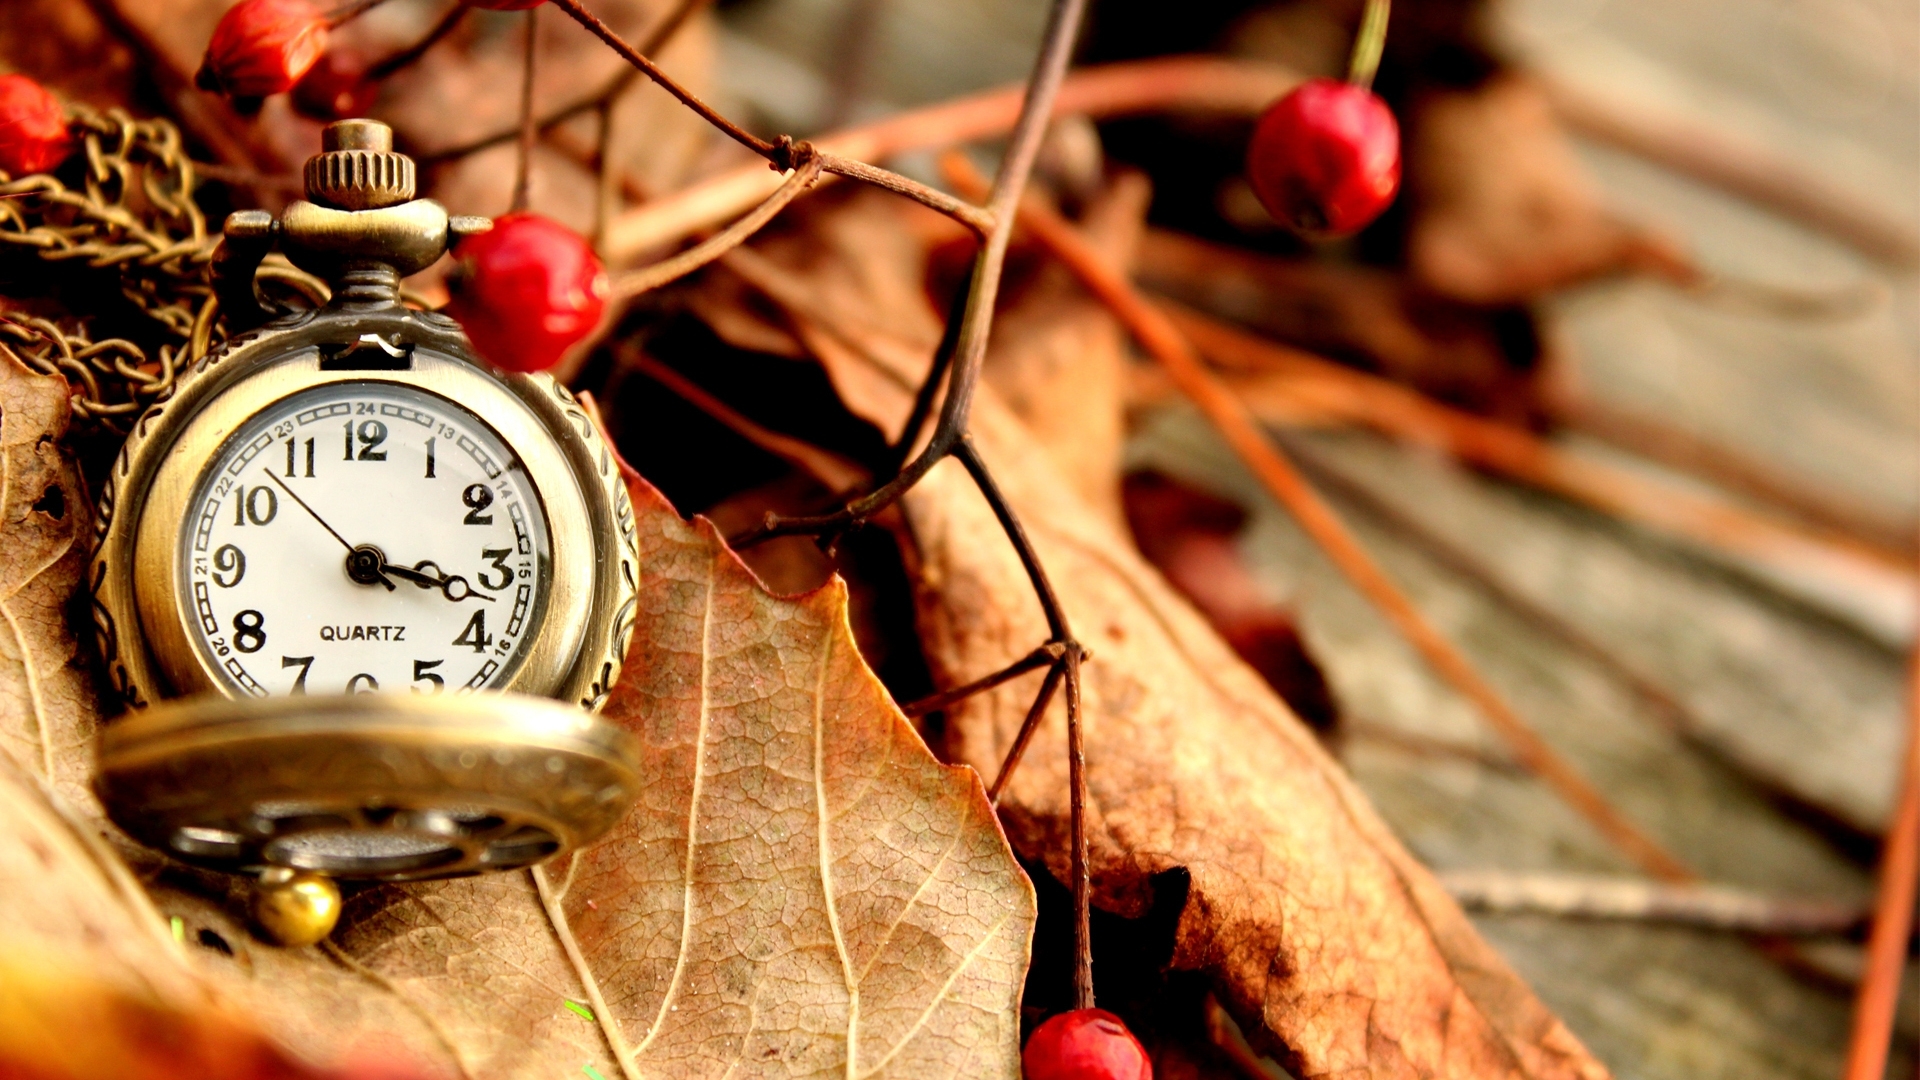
<point x="357" y="168"/>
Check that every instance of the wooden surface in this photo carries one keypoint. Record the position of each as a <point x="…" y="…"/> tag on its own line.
<point x="1788" y="697"/>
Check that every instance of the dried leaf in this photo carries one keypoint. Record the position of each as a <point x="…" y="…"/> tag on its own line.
<point x="803" y="888"/>
<point x="1190" y="537"/>
<point x="1059" y="358"/>
<point x="1317" y="929"/>
<point x="802" y="884"/>
<point x="47" y="705"/>
<point x="1338" y="951"/>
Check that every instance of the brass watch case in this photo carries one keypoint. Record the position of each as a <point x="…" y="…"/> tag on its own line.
<point x="415" y="786"/>
<point x="576" y="652"/>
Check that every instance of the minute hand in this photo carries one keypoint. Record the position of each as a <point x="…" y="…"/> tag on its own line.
<point x="365" y="564"/>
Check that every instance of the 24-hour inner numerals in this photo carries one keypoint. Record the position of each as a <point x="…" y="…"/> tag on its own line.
<point x="452" y="541"/>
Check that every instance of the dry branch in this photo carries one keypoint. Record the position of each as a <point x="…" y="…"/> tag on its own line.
<point x="1198" y="84"/>
<point x="1873" y="1009"/>
<point x="1877" y="585"/>
<point x="1709" y="907"/>
<point x="1163" y="340"/>
<point x="1754" y="172"/>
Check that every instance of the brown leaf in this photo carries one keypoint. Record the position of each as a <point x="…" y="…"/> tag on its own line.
<point x="802" y="888"/>
<point x="135" y="1036"/>
<point x="1307" y="915"/>
<point x="802" y="883"/>
<point x="1339" y="952"/>
<point x="849" y="282"/>
<point x="47" y="706"/>
<point x="1190" y="537"/>
<point x="1058" y="358"/>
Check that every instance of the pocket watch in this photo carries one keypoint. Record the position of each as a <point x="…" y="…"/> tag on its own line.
<point x="346" y="514"/>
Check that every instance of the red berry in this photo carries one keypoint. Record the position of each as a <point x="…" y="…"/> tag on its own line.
<point x="335" y="88"/>
<point x="263" y="47"/>
<point x="1085" y="1044"/>
<point x="33" y="127"/>
<point x="526" y="291"/>
<point x="1325" y="159"/>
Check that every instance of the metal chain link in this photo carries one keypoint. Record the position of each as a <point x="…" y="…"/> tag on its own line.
<point x="133" y="214"/>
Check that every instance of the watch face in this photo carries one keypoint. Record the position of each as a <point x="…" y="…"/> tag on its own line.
<point x="364" y="536"/>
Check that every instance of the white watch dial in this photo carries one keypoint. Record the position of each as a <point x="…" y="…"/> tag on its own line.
<point x="364" y="536"/>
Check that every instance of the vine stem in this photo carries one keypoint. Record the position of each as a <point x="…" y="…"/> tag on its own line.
<point x="1369" y="43"/>
<point x="1163" y="340"/>
<point x="657" y="38"/>
<point x="1181" y="83"/>
<point x="1874" y="1008"/>
<point x="950" y="439"/>
<point x="652" y="71"/>
<point x="635" y="282"/>
<point x="523" y="168"/>
<point x="406" y="57"/>
<point x="346" y="13"/>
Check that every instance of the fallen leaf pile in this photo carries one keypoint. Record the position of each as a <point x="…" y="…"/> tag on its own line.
<point x="801" y="889"/>
<point x="1336" y="950"/>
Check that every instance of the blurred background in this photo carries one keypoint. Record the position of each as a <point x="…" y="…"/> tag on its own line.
<point x="1794" y="390"/>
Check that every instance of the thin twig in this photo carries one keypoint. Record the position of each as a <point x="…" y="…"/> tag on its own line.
<point x="1157" y="333"/>
<point x="635" y="282"/>
<point x="976" y="321"/>
<point x="1868" y="579"/>
<point x="1038" y="658"/>
<point x="1082" y="878"/>
<point x="1873" y="1009"/>
<point x="656" y="39"/>
<point x="1707" y="152"/>
<point x="348" y="12"/>
<point x="1355" y="729"/>
<point x="523" y="174"/>
<point x="1035" y="713"/>
<point x="965" y="213"/>
<point x="652" y="71"/>
<point x="928" y="393"/>
<point x="1708" y="907"/>
<point x="406" y="57"/>
<point x="1183" y="83"/>
<point x="1661" y="441"/>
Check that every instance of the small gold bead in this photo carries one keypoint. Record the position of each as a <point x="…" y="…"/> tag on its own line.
<point x="295" y="907"/>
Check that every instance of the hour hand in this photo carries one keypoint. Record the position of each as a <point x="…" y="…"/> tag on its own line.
<point x="452" y="586"/>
